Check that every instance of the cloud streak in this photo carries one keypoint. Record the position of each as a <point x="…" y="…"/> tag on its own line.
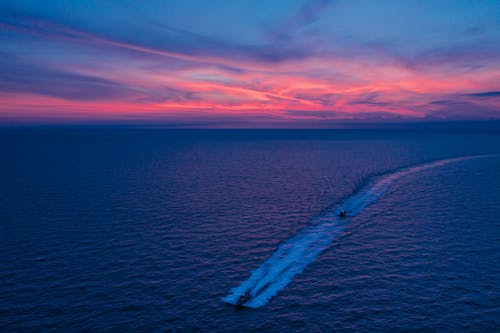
<point x="16" y="77"/>
<point x="306" y="66"/>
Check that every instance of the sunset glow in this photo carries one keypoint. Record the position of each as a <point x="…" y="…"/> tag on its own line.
<point x="225" y="63"/>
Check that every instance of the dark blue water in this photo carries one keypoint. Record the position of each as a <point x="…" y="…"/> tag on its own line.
<point x="149" y="230"/>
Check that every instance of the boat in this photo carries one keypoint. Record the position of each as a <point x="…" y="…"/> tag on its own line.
<point x="244" y="298"/>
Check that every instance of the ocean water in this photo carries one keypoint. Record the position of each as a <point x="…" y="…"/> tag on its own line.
<point x="161" y="230"/>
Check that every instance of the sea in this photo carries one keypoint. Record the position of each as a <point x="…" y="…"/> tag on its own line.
<point x="163" y="230"/>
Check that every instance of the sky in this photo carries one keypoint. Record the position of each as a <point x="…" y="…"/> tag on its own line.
<point x="248" y="63"/>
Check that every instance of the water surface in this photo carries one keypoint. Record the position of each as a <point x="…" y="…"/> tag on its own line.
<point x="147" y="230"/>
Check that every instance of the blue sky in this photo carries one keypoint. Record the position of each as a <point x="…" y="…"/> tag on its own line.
<point x="255" y="62"/>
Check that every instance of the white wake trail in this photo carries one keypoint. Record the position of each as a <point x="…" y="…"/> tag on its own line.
<point x="291" y="257"/>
